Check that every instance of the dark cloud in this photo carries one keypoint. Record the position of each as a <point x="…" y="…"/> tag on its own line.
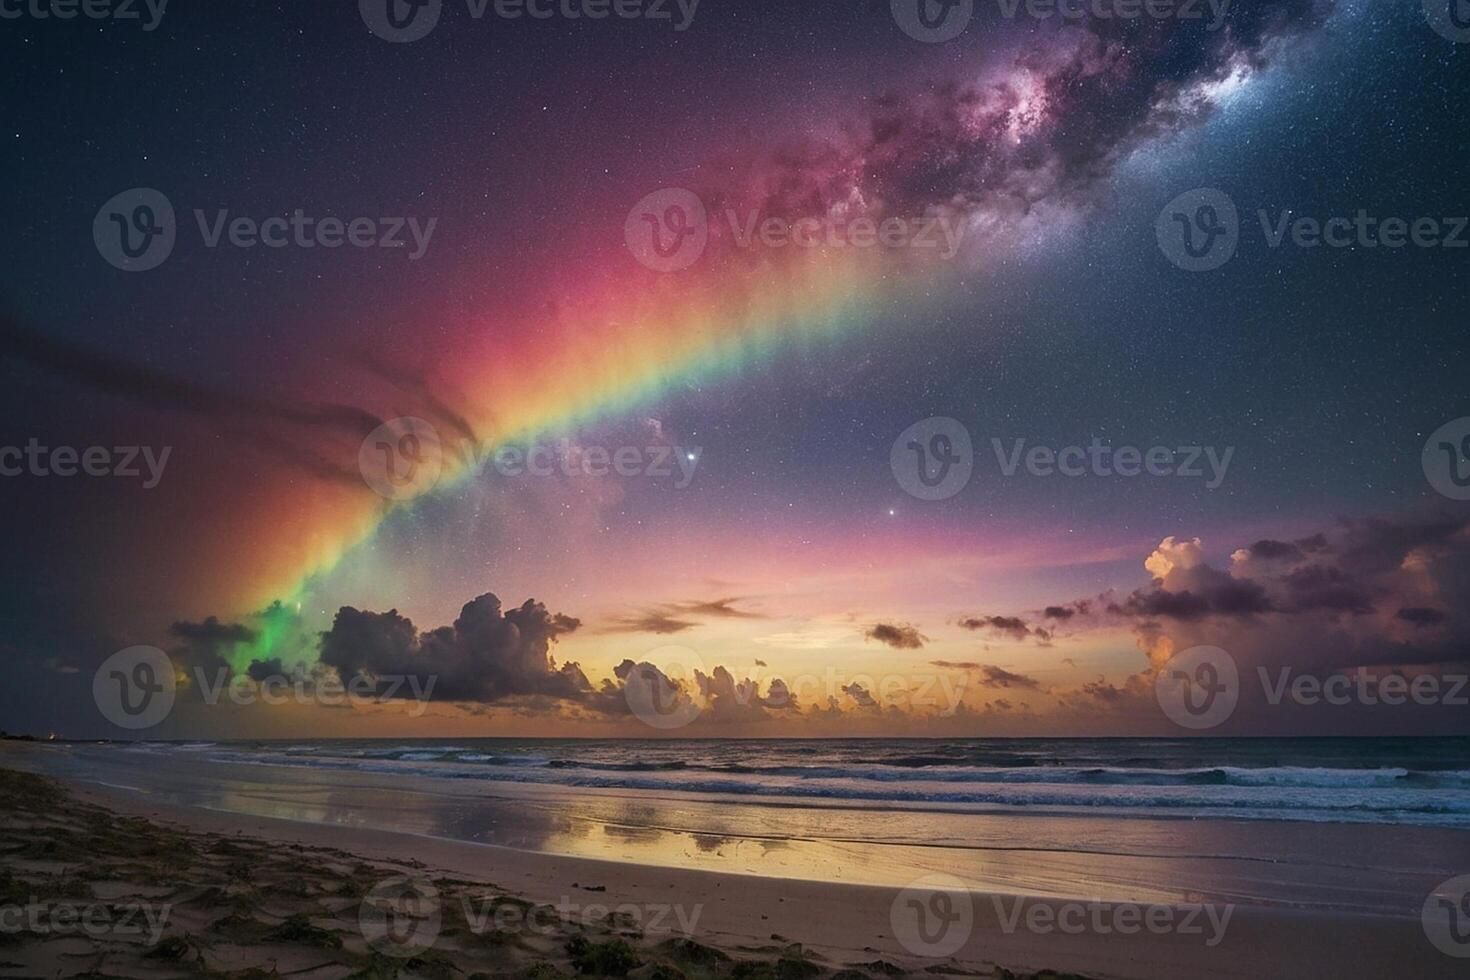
<point x="260" y="670"/>
<point x="1421" y="616"/>
<point x="1322" y="587"/>
<point x="312" y="437"/>
<point x="999" y="677"/>
<point x="1013" y="627"/>
<point x="897" y="636"/>
<point x="1268" y="550"/>
<point x="207" y="645"/>
<point x="487" y="655"/>
<point x="1194" y="593"/>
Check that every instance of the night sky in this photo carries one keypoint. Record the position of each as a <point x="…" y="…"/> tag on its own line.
<point x="781" y="376"/>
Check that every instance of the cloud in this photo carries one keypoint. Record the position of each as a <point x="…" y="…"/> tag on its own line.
<point x="488" y="655"/>
<point x="1421" y="616"/>
<point x="897" y="636"/>
<point x="207" y="646"/>
<point x="1011" y="626"/>
<point x="999" y="677"/>
<point x="676" y="617"/>
<point x="1172" y="554"/>
<point x="1373" y="593"/>
<point x="651" y="621"/>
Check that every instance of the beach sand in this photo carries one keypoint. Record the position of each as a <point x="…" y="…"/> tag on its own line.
<point x="256" y="896"/>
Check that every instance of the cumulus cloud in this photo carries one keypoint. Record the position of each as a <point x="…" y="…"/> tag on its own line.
<point x="487" y="655"/>
<point x="1376" y="595"/>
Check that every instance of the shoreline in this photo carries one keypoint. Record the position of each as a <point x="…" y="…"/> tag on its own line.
<point x="846" y="927"/>
<point x="1348" y="868"/>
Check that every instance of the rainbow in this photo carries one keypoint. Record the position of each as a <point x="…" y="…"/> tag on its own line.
<point x="621" y="351"/>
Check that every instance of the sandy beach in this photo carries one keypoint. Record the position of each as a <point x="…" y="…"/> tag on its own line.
<point x="249" y="892"/>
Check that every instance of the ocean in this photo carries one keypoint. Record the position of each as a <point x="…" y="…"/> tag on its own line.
<point x="1370" y="825"/>
<point x="1421" y="781"/>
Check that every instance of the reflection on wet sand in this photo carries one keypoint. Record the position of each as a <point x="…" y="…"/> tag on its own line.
<point x="1142" y="860"/>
